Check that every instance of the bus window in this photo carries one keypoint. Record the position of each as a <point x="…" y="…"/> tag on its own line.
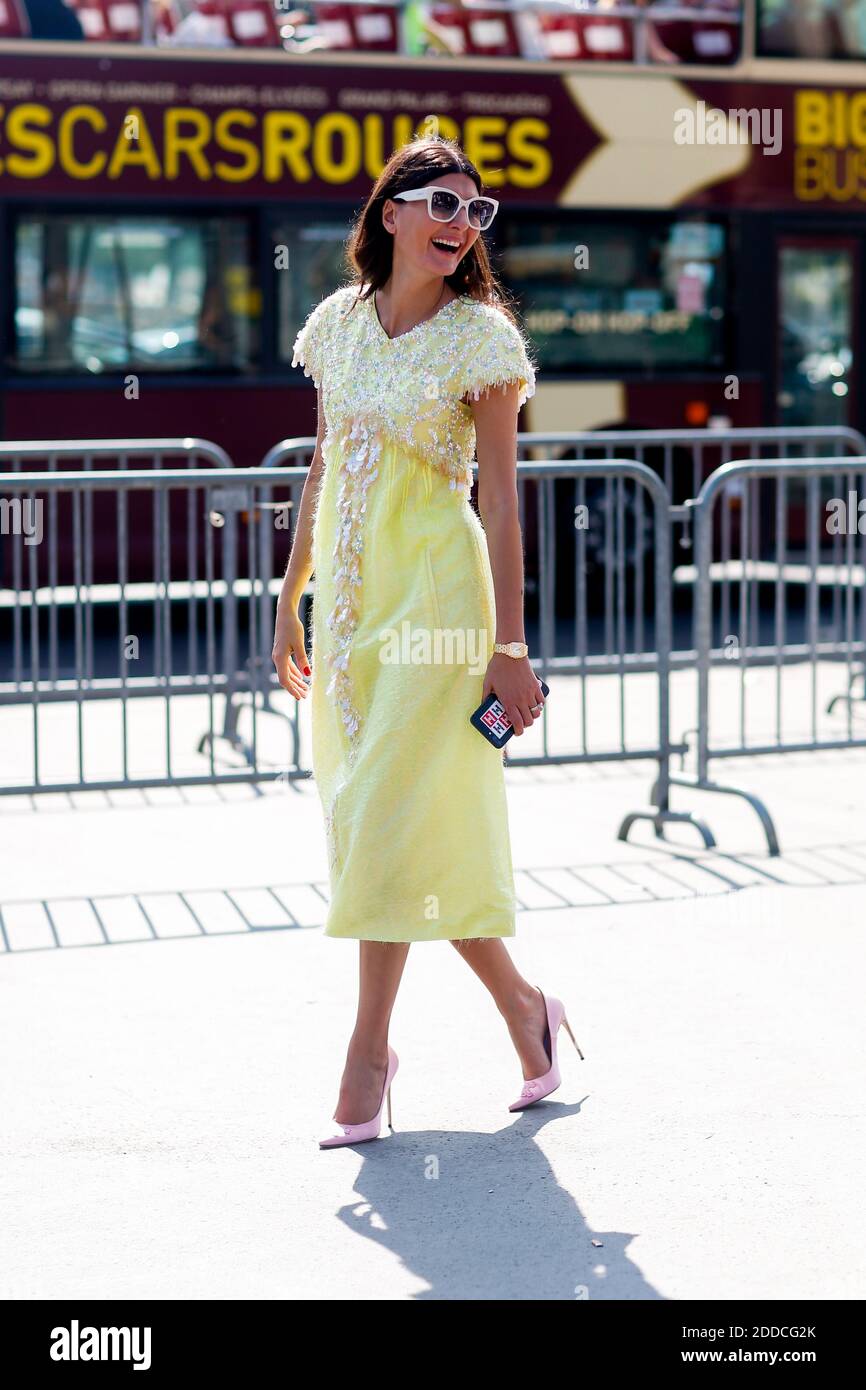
<point x="815" y="289"/>
<point x="309" y="264"/>
<point x="812" y="29"/>
<point x="636" y="294"/>
<point x="96" y="293"/>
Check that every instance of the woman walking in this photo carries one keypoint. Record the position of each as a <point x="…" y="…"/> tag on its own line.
<point x="417" y="611"/>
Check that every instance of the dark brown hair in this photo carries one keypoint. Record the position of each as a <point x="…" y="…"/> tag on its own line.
<point x="370" y="248"/>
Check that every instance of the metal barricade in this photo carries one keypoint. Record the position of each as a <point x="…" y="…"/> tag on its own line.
<point x="637" y="603"/>
<point x="606" y="621"/>
<point x="544" y="547"/>
<point x="631" y="716"/>
<point x="222" y="570"/>
<point x="290" y="452"/>
<point x="781" y="507"/>
<point x="682" y="458"/>
<point x="57" y="592"/>
<point x="685" y="459"/>
<point x="23" y="453"/>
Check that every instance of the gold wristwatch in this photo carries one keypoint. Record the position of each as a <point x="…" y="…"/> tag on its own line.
<point x="515" y="649"/>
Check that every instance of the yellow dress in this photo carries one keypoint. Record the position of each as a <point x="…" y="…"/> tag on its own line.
<point x="404" y="623"/>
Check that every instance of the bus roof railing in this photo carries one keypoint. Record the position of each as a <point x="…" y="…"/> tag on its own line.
<point x="657" y="9"/>
<point x="641" y="17"/>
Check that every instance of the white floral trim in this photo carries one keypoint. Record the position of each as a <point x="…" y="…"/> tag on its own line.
<point x="358" y="469"/>
<point x="308" y="350"/>
<point x="501" y="359"/>
<point x="299" y="361"/>
<point x="507" y="378"/>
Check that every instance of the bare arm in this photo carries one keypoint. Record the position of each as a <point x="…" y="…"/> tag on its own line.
<point x="515" y="682"/>
<point x="289" y="643"/>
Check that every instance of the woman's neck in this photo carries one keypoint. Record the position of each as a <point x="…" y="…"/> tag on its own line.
<point x="406" y="299"/>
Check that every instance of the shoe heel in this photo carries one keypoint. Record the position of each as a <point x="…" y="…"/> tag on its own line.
<point x="573" y="1038"/>
<point x="390" y="1125"/>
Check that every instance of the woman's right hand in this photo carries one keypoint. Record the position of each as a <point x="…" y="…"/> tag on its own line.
<point x="288" y="644"/>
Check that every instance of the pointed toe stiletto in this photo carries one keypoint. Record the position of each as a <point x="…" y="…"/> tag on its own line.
<point x="540" y="1086"/>
<point x="359" y="1134"/>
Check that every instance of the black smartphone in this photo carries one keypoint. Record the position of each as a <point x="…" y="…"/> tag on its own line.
<point x="491" y="720"/>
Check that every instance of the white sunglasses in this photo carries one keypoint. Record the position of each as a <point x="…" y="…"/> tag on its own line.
<point x="443" y="205"/>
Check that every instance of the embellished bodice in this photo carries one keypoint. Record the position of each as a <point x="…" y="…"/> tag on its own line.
<point x="410" y="389"/>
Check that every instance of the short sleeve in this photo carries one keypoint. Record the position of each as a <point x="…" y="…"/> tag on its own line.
<point x="500" y="357"/>
<point x="310" y="349"/>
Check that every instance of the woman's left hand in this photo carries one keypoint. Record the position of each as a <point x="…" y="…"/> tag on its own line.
<point x="517" y="687"/>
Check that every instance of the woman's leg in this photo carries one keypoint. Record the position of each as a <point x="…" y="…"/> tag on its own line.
<point x="519" y="1002"/>
<point x="379" y="972"/>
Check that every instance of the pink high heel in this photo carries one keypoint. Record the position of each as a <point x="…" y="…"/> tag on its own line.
<point x="359" y="1134"/>
<point x="540" y="1086"/>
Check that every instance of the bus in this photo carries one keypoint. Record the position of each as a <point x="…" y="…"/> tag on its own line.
<point x="681" y="223"/>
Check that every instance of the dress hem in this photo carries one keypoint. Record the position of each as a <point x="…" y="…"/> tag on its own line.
<point x="473" y="935"/>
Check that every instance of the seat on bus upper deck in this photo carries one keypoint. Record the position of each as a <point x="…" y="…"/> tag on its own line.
<point x="587" y="36"/>
<point x="14" y="20"/>
<point x="109" y="21"/>
<point x="253" y="24"/>
<point x="700" y="40"/>
<point x="359" y="28"/>
<point x="479" y="33"/>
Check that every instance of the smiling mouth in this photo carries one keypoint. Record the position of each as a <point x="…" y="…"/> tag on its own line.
<point x="445" y="244"/>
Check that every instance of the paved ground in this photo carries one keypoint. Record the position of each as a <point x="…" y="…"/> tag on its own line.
<point x="173" y="1022"/>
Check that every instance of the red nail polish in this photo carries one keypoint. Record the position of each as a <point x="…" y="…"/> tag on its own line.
<point x="307" y="671"/>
